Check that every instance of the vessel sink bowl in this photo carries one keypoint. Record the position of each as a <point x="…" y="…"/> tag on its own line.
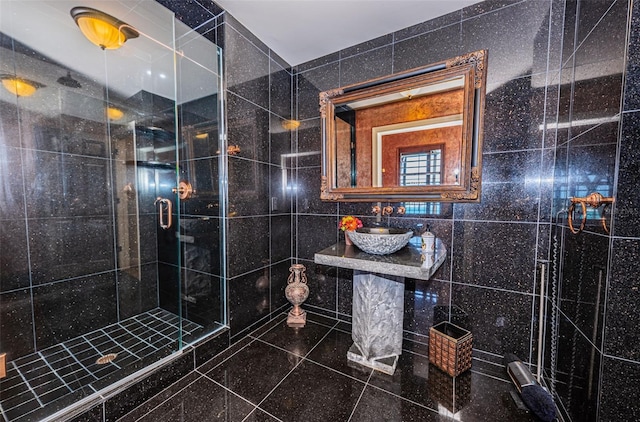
<point x="380" y="240"/>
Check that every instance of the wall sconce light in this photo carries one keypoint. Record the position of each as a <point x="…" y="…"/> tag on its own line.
<point x="101" y="29"/>
<point x="114" y="113"/>
<point x="203" y="135"/>
<point x="290" y="124"/>
<point x="20" y="87"/>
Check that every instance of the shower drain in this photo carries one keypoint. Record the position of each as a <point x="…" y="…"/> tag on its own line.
<point x="102" y="360"/>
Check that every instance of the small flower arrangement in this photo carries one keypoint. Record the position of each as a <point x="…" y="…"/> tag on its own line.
<point x="349" y="223"/>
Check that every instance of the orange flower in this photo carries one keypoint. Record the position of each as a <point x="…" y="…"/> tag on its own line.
<point x="349" y="223"/>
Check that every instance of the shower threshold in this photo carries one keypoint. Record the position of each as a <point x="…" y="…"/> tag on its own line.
<point x="40" y="384"/>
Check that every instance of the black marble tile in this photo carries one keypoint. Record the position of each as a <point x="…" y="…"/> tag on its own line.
<point x="366" y="46"/>
<point x="66" y="185"/>
<point x="296" y="340"/>
<point x="137" y="291"/>
<point x="322" y="286"/>
<point x="507" y="175"/>
<point x="577" y="374"/>
<point x="280" y="141"/>
<point x="127" y="400"/>
<point x="335" y="395"/>
<point x="309" y="85"/>
<point x="377" y="405"/>
<point x="192" y="12"/>
<point x="433" y="47"/>
<point x="65" y="309"/>
<point x="511" y="35"/>
<point x="241" y="30"/>
<point x="201" y="400"/>
<point x="622" y="321"/>
<point x="513" y="115"/>
<point x="12" y="195"/>
<point x="318" y="62"/>
<point x="279" y="278"/>
<point x="248" y="187"/>
<point x="308" y="186"/>
<point x="11" y="136"/>
<point x="584" y="274"/>
<point x="632" y="78"/>
<point x="254" y="371"/>
<point x="248" y="246"/>
<point x="16" y="325"/>
<point x="421" y="301"/>
<point x="345" y="292"/>
<point x="94" y="414"/>
<point x="500" y="321"/>
<point x="499" y="255"/>
<point x="367" y="65"/>
<point x="281" y="235"/>
<point x="619" y="385"/>
<point x="600" y="36"/>
<point x="594" y="102"/>
<point x="281" y="90"/>
<point x="430" y="25"/>
<point x="70" y="247"/>
<point x="206" y="349"/>
<point x="310" y="140"/>
<point x="249" y="299"/>
<point x="626" y="218"/>
<point x="248" y="69"/>
<point x="332" y="351"/>
<point x="486" y="7"/>
<point x="248" y="128"/>
<point x="14" y="264"/>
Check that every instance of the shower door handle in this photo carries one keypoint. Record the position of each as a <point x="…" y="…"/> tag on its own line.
<point x="164" y="204"/>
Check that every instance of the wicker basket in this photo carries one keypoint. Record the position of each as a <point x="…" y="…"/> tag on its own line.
<point x="450" y="348"/>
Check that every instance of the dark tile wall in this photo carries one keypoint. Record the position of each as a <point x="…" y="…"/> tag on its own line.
<point x="490" y="276"/>
<point x="556" y="63"/>
<point x="595" y="327"/>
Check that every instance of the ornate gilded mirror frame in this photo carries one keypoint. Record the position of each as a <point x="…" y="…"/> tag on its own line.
<point x="467" y="75"/>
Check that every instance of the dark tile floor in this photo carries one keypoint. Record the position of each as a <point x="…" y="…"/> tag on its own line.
<point x="282" y="374"/>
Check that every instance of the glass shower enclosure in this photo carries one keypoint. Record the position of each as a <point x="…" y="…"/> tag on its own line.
<point x="110" y="204"/>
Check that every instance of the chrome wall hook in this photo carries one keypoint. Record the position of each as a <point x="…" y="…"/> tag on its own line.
<point x="594" y="200"/>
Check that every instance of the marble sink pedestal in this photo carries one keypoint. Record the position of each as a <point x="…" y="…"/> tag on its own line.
<point x="378" y="297"/>
<point x="378" y="308"/>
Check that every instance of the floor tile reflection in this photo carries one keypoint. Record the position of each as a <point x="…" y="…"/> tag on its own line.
<point x="283" y="374"/>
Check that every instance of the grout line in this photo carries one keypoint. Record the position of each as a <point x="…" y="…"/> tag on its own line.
<point x="100" y="354"/>
<point x="55" y="372"/>
<point x="28" y="385"/>
<point x="76" y="359"/>
<point x="360" y="397"/>
<point x="120" y="344"/>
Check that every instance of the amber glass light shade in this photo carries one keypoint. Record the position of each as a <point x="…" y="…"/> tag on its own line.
<point x="290" y="124"/>
<point x="101" y="29"/>
<point x="114" y="113"/>
<point x="19" y="86"/>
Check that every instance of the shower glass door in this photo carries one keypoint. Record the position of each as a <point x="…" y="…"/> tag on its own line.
<point x="107" y="267"/>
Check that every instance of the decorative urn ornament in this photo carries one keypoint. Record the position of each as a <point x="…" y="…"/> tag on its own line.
<point x="297" y="292"/>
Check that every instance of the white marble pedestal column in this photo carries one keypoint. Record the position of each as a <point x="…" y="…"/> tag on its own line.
<point x="378" y="307"/>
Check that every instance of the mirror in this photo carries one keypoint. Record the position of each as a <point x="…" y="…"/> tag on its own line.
<point x="412" y="136"/>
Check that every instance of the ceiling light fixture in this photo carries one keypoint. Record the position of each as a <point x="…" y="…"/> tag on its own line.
<point x="114" y="113"/>
<point x="101" y="29"/>
<point x="290" y="124"/>
<point x="20" y="87"/>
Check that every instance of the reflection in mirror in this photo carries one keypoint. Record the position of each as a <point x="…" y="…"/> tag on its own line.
<point x="410" y="136"/>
